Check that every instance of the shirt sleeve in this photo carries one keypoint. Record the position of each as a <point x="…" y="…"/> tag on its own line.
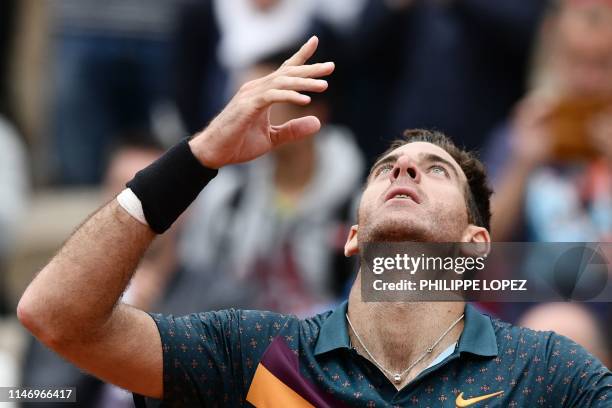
<point x="201" y="355"/>
<point x="584" y="380"/>
<point x="209" y="358"/>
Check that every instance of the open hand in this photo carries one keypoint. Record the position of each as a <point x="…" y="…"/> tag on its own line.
<point x="242" y="131"/>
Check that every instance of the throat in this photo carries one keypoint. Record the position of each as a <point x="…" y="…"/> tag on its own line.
<point x="403" y="339"/>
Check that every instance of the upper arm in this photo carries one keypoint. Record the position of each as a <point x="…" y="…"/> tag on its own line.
<point x="126" y="352"/>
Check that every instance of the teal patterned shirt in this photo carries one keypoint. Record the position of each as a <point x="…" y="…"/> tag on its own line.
<point x="240" y="358"/>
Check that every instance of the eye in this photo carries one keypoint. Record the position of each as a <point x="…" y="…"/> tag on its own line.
<point x="437" y="169"/>
<point x="383" y="168"/>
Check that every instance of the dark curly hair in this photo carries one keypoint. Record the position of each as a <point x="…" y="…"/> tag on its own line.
<point x="477" y="191"/>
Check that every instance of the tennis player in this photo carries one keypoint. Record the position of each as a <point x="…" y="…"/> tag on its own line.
<point x="361" y="354"/>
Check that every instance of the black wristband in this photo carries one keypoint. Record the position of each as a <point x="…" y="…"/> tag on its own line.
<point x="169" y="185"/>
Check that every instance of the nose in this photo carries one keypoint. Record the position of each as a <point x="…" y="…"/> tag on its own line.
<point x="405" y="166"/>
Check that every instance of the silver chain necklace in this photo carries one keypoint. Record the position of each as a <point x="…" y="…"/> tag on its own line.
<point x="397" y="377"/>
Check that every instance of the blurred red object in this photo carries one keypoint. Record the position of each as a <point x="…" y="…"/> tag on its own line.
<point x="570" y="123"/>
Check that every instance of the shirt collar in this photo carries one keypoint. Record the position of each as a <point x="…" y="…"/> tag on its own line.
<point x="334" y="333"/>
<point x="478" y="335"/>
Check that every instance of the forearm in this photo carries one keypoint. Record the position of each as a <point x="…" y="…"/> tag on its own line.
<point x="75" y="294"/>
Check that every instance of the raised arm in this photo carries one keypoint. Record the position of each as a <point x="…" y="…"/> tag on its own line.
<point x="73" y="304"/>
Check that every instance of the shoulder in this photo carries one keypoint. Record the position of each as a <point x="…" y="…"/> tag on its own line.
<point x="249" y="330"/>
<point x="510" y="336"/>
<point x="509" y="333"/>
<point x="277" y="323"/>
<point x="313" y="324"/>
<point x="236" y="324"/>
<point x="561" y="355"/>
<point x="268" y="325"/>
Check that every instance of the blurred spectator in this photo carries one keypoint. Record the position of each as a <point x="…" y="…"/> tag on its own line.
<point x="110" y="71"/>
<point x="274" y="229"/>
<point x="552" y="161"/>
<point x="455" y="65"/>
<point x="572" y="320"/>
<point x="159" y="284"/>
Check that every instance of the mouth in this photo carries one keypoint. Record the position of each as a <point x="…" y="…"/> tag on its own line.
<point x="402" y="193"/>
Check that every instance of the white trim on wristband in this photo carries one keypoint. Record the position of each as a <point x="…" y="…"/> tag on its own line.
<point x="131" y="203"/>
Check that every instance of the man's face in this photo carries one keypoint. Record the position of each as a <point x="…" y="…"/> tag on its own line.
<point x="414" y="193"/>
<point x="585" y="47"/>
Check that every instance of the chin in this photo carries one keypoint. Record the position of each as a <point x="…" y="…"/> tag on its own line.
<point x="398" y="230"/>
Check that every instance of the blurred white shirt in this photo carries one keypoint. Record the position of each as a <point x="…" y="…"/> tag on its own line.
<point x="248" y="33"/>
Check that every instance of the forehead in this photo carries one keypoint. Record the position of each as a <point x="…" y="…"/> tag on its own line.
<point x="418" y="150"/>
<point x="589" y="21"/>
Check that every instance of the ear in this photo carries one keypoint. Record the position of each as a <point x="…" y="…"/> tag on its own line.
<point x="352" y="245"/>
<point x="474" y="233"/>
<point x="478" y="241"/>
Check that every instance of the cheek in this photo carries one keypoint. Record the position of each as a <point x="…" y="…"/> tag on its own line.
<point x="370" y="196"/>
<point x="451" y="203"/>
<point x="364" y="209"/>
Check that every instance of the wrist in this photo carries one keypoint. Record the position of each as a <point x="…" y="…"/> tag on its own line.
<point x="169" y="185"/>
<point x="201" y="148"/>
<point x="132" y="205"/>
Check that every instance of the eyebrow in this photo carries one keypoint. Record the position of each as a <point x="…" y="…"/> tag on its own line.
<point x="431" y="157"/>
<point x="427" y="157"/>
<point x="389" y="158"/>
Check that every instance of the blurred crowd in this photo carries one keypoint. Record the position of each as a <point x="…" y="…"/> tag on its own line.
<point x="526" y="83"/>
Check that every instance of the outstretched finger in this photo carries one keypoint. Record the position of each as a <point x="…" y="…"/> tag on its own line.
<point x="304" y="53"/>
<point x="311" y="71"/>
<point x="281" y="95"/>
<point x="299" y="84"/>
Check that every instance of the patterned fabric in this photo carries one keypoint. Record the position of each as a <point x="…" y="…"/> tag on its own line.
<point x="252" y="358"/>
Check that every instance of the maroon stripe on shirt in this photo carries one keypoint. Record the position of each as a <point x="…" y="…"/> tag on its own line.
<point x="284" y="364"/>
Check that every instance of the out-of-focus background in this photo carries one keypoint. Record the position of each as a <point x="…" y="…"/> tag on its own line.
<point x="92" y="91"/>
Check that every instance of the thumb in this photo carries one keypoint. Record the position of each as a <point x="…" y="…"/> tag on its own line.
<point x="295" y="129"/>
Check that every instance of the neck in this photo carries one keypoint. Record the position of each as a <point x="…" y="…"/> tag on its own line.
<point x="397" y="334"/>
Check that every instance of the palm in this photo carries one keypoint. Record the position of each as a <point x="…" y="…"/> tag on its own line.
<point x="256" y="139"/>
